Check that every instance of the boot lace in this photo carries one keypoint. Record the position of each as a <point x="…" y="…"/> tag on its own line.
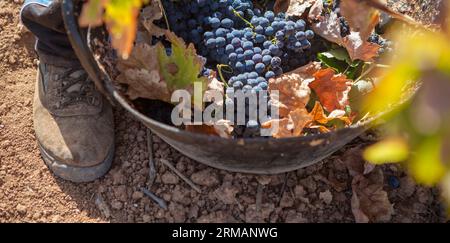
<point x="76" y="88"/>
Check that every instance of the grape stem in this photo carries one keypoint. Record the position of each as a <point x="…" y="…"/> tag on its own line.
<point x="219" y="69"/>
<point x="370" y="69"/>
<point x="243" y="19"/>
<point x="164" y="14"/>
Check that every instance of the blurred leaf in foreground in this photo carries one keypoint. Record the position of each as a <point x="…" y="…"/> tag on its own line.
<point x="391" y="150"/>
<point x="426" y="165"/>
<point x="120" y="17"/>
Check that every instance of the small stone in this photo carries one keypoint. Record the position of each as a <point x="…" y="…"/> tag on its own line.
<point x="102" y="206"/>
<point x="286" y="201"/>
<point x="121" y="193"/>
<point x="146" y="218"/>
<point x="299" y="191"/>
<point x="309" y="184"/>
<point x="264" y="179"/>
<point x="326" y="196"/>
<point x="205" y="178"/>
<point x="116" y="205"/>
<point x="137" y="195"/>
<point x="169" y="178"/>
<point x="21" y="209"/>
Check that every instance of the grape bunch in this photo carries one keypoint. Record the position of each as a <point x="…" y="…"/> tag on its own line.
<point x="255" y="45"/>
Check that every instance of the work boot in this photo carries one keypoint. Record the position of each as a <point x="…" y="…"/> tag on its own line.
<point x="73" y="123"/>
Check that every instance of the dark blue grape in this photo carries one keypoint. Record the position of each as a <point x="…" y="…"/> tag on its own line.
<point x="260" y="67"/>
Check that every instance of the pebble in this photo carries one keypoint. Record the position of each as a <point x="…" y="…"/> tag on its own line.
<point x="326" y="196"/>
<point x="137" y="195"/>
<point x="169" y="178"/>
<point x="21" y="209"/>
<point x="205" y="178"/>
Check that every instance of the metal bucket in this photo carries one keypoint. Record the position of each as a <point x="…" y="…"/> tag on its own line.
<point x="254" y="155"/>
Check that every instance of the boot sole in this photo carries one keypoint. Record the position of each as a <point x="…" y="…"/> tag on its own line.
<point x="77" y="174"/>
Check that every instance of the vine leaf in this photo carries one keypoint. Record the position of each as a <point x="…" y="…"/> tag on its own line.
<point x="332" y="89"/>
<point x="293" y="7"/>
<point x="120" y="17"/>
<point x="183" y="66"/>
<point x="141" y="73"/>
<point x="291" y="97"/>
<point x="324" y="123"/>
<point x="360" y="17"/>
<point x="357" y="46"/>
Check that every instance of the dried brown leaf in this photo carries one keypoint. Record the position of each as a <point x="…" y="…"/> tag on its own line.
<point x="316" y="10"/>
<point x="293" y="88"/>
<point x="149" y="14"/>
<point x="292" y="126"/>
<point x="360" y="17"/>
<point x="370" y="203"/>
<point x="290" y="93"/>
<point x="332" y="89"/>
<point x="295" y="7"/>
<point x="141" y="73"/>
<point x="281" y="6"/>
<point x="358" y="47"/>
<point x="329" y="28"/>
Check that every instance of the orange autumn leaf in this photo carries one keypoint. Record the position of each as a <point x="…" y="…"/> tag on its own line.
<point x="290" y="93"/>
<point x="321" y="121"/>
<point x="292" y="88"/>
<point x="332" y="89"/>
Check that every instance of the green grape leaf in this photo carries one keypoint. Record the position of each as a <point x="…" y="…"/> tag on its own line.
<point x="181" y="69"/>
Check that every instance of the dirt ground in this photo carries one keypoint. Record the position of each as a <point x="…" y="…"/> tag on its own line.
<point x="30" y="193"/>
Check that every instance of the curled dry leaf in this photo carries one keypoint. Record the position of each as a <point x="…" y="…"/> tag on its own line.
<point x="370" y="203"/>
<point x="291" y="126"/>
<point x="321" y="121"/>
<point x="153" y="74"/>
<point x="361" y="17"/>
<point x="292" y="88"/>
<point x="290" y="92"/>
<point x="332" y="89"/>
<point x="328" y="27"/>
<point x="214" y="87"/>
<point x="358" y="47"/>
<point x="141" y="73"/>
<point x="149" y="14"/>
<point x="316" y="10"/>
<point x="295" y="7"/>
